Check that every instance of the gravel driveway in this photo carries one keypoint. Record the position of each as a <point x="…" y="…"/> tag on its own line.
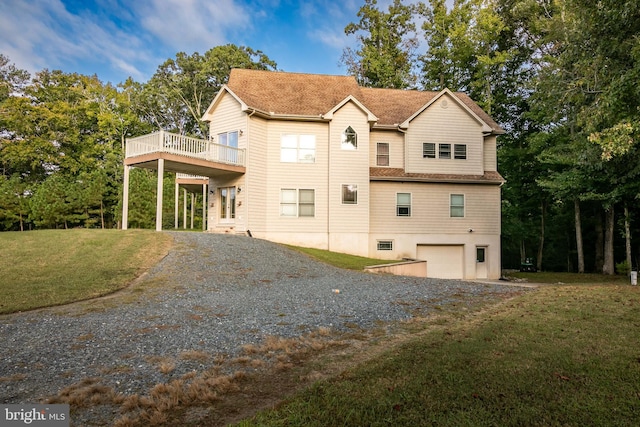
<point x="212" y="293"/>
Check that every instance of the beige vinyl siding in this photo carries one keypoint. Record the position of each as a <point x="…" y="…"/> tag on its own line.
<point x="349" y="167"/>
<point x="229" y="117"/>
<point x="490" y="153"/>
<point x="257" y="172"/>
<point x="239" y="224"/>
<point x="450" y="125"/>
<point x="430" y="208"/>
<point x="395" y="140"/>
<point x="295" y="176"/>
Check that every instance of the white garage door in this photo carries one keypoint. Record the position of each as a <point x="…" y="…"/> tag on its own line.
<point x="443" y="261"/>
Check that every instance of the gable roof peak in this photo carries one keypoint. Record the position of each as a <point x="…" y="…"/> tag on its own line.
<point x="319" y="95"/>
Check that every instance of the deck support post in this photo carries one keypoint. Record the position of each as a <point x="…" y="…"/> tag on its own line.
<point x="176" y="205"/>
<point x="193" y="207"/>
<point x="159" y="194"/>
<point x="125" y="198"/>
<point x="184" y="208"/>
<point x="204" y="207"/>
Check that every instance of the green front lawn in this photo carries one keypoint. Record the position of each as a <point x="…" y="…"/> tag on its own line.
<point x="52" y="267"/>
<point x="557" y="356"/>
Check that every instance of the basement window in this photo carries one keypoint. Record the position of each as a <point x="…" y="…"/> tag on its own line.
<point x="385" y="245"/>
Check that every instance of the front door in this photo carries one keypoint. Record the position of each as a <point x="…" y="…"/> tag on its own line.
<point x="481" y="262"/>
<point x="227" y="204"/>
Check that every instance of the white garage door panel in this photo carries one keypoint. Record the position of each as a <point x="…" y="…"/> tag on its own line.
<point x="444" y="261"/>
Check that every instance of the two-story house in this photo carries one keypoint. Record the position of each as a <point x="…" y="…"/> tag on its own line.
<point x="383" y="173"/>
<point x="316" y="160"/>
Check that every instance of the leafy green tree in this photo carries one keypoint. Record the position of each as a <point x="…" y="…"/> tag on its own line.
<point x="12" y="79"/>
<point x="587" y="85"/>
<point x="14" y="203"/>
<point x="466" y="48"/>
<point x="176" y="96"/>
<point x="449" y="60"/>
<point x="49" y="205"/>
<point x="70" y="127"/>
<point x="386" y="46"/>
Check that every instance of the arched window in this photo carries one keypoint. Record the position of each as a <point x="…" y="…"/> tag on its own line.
<point x="349" y="139"/>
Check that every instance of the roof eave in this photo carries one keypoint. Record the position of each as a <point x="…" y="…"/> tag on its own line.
<point x="279" y="116"/>
<point x="395" y="127"/>
<point x="436" y="180"/>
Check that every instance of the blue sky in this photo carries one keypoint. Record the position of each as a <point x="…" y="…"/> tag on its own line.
<point x="116" y="39"/>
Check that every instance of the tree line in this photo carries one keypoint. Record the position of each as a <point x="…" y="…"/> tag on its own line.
<point x="560" y="76"/>
<point x="62" y="137"/>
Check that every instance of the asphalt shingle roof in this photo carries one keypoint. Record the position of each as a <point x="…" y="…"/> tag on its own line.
<point x="312" y="95"/>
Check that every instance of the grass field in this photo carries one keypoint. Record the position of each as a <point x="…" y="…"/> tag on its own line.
<point x="557" y="356"/>
<point x="570" y="278"/>
<point x="350" y="262"/>
<point x="52" y="267"/>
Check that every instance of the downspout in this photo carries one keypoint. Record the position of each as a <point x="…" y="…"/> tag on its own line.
<point x="328" y="185"/>
<point x="246" y="181"/>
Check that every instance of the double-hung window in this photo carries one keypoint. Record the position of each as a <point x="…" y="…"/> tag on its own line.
<point x="403" y="204"/>
<point x="298" y="148"/>
<point x="349" y="194"/>
<point x="457" y="206"/>
<point x="297" y="202"/>
<point x="429" y="150"/>
<point x="460" y="151"/>
<point x="444" y="151"/>
<point x="382" y="154"/>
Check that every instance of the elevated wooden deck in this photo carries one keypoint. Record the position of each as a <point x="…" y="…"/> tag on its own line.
<point x="183" y="154"/>
<point x="164" y="151"/>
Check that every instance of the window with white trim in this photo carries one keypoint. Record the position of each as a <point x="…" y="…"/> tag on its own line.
<point x="227" y="146"/>
<point x="429" y="150"/>
<point x="349" y="194"/>
<point x="385" y="245"/>
<point x="460" y="151"/>
<point x="349" y="139"/>
<point x="298" y="148"/>
<point x="382" y="154"/>
<point x="444" y="151"/>
<point x="403" y="204"/>
<point x="457" y="206"/>
<point x="297" y="202"/>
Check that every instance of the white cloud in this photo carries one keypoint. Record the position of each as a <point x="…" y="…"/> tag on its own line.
<point x="119" y="38"/>
<point x="44" y="34"/>
<point x="191" y="25"/>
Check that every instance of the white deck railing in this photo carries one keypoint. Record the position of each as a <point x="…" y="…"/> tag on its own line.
<point x="166" y="142"/>
<point x="187" y="176"/>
